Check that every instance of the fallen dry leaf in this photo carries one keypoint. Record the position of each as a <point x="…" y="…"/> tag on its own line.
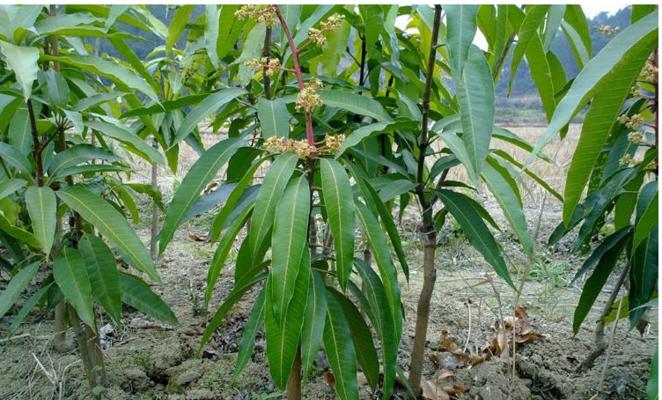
<point x="455" y="389"/>
<point x="432" y="391"/>
<point x="212" y="187"/>
<point x="329" y="379"/>
<point x="197" y="237"/>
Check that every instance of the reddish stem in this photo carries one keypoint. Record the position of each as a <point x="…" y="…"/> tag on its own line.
<point x="297" y="72"/>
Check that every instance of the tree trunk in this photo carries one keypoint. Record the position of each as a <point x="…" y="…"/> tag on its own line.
<point x="429" y="229"/>
<point x="600" y="343"/>
<point x="294" y="383"/>
<point x="423" y="309"/>
<point x="60" y="339"/>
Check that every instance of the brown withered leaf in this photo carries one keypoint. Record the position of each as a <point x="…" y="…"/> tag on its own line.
<point x="642" y="325"/>
<point x="444" y="373"/>
<point x="455" y="389"/>
<point x="432" y="391"/>
<point x="502" y="346"/>
<point x="197" y="237"/>
<point x="447" y="343"/>
<point x="329" y="379"/>
<point x="212" y="187"/>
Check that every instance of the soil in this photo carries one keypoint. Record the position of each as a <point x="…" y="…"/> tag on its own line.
<point x="146" y="359"/>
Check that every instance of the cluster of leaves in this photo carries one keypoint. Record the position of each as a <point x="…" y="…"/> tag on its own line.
<point x="282" y="81"/>
<point x="65" y="152"/>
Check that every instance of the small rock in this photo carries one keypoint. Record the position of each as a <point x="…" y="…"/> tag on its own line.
<point x="187" y="377"/>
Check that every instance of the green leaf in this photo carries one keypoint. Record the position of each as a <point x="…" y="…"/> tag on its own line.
<point x="643" y="275"/>
<point x="288" y="243"/>
<point x="283" y="339"/>
<point x="652" y="385"/>
<point x="541" y="74"/>
<point x="476" y="98"/>
<point x="18" y="233"/>
<point x="212" y="14"/>
<point x="374" y="202"/>
<point x="599" y="72"/>
<point x="355" y="103"/>
<point x="20" y="132"/>
<point x="596" y="281"/>
<point x="14" y="158"/>
<point x="221" y="254"/>
<point x="238" y="192"/>
<point x="41" y="205"/>
<point x="383" y="322"/>
<point x="200" y="174"/>
<point x="270" y="193"/>
<point x="362" y="338"/>
<point x="535" y="16"/>
<point x="614" y="240"/>
<point x="234" y="296"/>
<point x="136" y="293"/>
<point x="313" y="323"/>
<point x="251" y="48"/>
<point x="461" y="31"/>
<point x="16" y="285"/>
<point x="27" y="307"/>
<point x="78" y="154"/>
<point x="600" y="120"/>
<point x="340" y="350"/>
<point x="645" y="222"/>
<point x="337" y="196"/>
<point x="177" y="25"/>
<point x="274" y="118"/>
<point x="23" y="61"/>
<point x="10" y="186"/>
<point x="70" y="274"/>
<point x="102" y="270"/>
<point x="132" y="141"/>
<point x="207" y="106"/>
<point x="247" y="344"/>
<point x="110" y="224"/>
<point x="122" y="76"/>
<point x="508" y="199"/>
<point x="479" y="236"/>
<point x="374" y="234"/>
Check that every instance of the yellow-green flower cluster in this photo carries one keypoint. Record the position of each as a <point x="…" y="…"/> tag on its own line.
<point x="649" y="73"/>
<point x="608" y="30"/>
<point x="277" y="144"/>
<point x="626" y="161"/>
<point x="633" y="122"/>
<point x="265" y="64"/>
<point x="317" y="36"/>
<point x="635" y="137"/>
<point x="308" y="98"/>
<point x="260" y="13"/>
<point x="332" y="143"/>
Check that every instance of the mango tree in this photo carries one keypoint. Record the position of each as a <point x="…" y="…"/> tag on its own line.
<point x="53" y="101"/>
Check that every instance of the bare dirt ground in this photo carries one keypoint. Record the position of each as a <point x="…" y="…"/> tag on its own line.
<point x="148" y="360"/>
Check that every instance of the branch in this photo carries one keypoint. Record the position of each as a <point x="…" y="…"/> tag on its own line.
<point x="423" y="141"/>
<point x="297" y="72"/>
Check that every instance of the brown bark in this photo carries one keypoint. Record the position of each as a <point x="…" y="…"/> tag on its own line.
<point x="600" y="343"/>
<point x="294" y="383"/>
<point x="429" y="230"/>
